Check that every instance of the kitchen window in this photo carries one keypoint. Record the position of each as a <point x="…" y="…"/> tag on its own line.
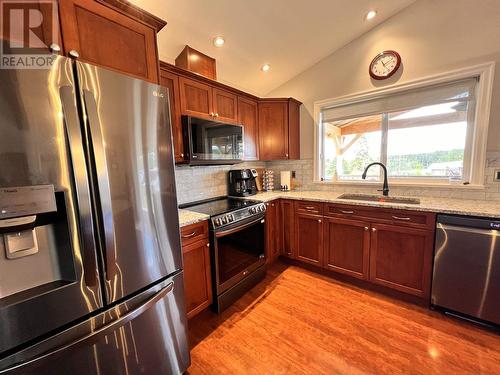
<point x="427" y="134"/>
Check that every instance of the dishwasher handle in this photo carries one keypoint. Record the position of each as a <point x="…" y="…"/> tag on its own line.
<point x="469" y="222"/>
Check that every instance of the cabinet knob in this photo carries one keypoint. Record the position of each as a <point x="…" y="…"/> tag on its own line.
<point x="374" y="229"/>
<point x="74" y="53"/>
<point x="216" y="115"/>
<point x="286" y="155"/>
<point x="208" y="245"/>
<point x="212" y="114"/>
<point x="272" y="205"/>
<point x="366" y="228"/>
<point x="55" y="48"/>
<point x="182" y="155"/>
<point x="319" y="220"/>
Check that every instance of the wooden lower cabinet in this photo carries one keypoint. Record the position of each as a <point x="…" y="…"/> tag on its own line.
<point x="287" y="228"/>
<point x="401" y="258"/>
<point x="309" y="238"/>
<point x="272" y="231"/>
<point x="347" y="246"/>
<point x="397" y="256"/>
<point x="197" y="270"/>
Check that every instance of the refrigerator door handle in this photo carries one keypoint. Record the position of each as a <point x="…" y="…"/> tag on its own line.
<point x="103" y="182"/>
<point x="77" y="157"/>
<point x="101" y="331"/>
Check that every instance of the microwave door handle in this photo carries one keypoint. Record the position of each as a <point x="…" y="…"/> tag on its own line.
<point x="76" y="155"/>
<point x="227" y="232"/>
<point x="97" y="142"/>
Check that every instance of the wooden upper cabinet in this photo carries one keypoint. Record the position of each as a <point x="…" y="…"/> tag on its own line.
<point x="279" y="129"/>
<point x="273" y="130"/>
<point x="171" y="81"/>
<point x="105" y="36"/>
<point x="225" y="105"/>
<point x="248" y="117"/>
<point x="196" y="98"/>
<point x="401" y="258"/>
<point x="347" y="246"/>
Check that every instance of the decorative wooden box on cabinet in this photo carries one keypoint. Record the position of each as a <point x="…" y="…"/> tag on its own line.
<point x="113" y="34"/>
<point x="197" y="270"/>
<point x="197" y="62"/>
<point x="279" y="129"/>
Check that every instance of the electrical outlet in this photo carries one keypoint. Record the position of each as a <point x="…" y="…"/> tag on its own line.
<point x="496" y="175"/>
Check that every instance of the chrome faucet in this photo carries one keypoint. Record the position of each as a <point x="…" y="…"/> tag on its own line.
<point x="385" y="188"/>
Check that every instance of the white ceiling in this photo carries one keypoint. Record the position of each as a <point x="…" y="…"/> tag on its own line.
<point x="291" y="35"/>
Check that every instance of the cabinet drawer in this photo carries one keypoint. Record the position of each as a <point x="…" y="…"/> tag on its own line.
<point x="315" y="208"/>
<point x="383" y="215"/>
<point x="194" y="232"/>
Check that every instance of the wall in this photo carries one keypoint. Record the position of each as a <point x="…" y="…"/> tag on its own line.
<point x="204" y="182"/>
<point x="432" y="36"/>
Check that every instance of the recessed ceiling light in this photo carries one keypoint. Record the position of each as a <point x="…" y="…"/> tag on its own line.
<point x="265" y="67"/>
<point x="370" y="15"/>
<point x="219" y="41"/>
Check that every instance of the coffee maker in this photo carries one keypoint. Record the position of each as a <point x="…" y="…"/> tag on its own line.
<point x="242" y="182"/>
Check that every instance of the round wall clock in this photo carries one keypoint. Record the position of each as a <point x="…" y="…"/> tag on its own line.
<point x="384" y="65"/>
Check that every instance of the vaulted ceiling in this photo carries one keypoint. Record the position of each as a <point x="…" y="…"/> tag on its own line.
<point x="290" y="35"/>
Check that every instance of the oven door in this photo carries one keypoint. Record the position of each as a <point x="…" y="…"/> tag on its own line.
<point x="239" y="250"/>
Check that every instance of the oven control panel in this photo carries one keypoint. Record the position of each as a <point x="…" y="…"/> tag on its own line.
<point x="238" y="215"/>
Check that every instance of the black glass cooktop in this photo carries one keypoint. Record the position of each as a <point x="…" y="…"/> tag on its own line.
<point x="219" y="206"/>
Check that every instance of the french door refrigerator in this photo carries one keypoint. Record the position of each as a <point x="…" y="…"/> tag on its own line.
<point x="90" y="258"/>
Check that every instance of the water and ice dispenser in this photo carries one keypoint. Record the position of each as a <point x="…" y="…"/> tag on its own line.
<point x="35" y="246"/>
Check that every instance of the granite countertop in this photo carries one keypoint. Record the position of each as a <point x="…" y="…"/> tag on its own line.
<point x="430" y="204"/>
<point x="187" y="217"/>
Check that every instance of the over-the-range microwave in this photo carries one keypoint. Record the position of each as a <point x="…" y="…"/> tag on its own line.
<point x="209" y="142"/>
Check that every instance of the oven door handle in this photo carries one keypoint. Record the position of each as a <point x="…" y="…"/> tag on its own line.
<point x="238" y="228"/>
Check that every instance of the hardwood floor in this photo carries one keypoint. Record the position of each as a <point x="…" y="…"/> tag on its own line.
<point x="299" y="322"/>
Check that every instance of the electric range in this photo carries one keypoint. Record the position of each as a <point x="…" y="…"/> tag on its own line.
<point x="237" y="242"/>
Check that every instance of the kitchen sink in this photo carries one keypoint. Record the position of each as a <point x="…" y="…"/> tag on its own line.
<point x="379" y="198"/>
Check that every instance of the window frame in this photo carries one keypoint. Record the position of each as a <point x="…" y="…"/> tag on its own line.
<point x="477" y="138"/>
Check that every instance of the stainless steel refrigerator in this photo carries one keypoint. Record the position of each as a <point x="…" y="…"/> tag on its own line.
<point x="90" y="258"/>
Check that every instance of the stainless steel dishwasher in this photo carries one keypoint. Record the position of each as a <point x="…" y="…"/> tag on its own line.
<point x="466" y="277"/>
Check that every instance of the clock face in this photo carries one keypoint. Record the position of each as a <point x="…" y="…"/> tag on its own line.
<point x="385" y="64"/>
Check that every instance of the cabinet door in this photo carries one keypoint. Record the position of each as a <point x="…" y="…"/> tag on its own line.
<point x="347" y="246"/>
<point x="171" y="81"/>
<point x="294" y="130"/>
<point x="225" y="105"/>
<point x="401" y="258"/>
<point x="309" y="238"/>
<point x="197" y="278"/>
<point x="273" y="130"/>
<point x="248" y="116"/>
<point x="272" y="237"/>
<point x="287" y="228"/>
<point x="196" y="98"/>
<point x="106" y="37"/>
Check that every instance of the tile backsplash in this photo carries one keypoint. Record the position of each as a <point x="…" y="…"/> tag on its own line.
<point x="197" y="183"/>
<point x="204" y="182"/>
